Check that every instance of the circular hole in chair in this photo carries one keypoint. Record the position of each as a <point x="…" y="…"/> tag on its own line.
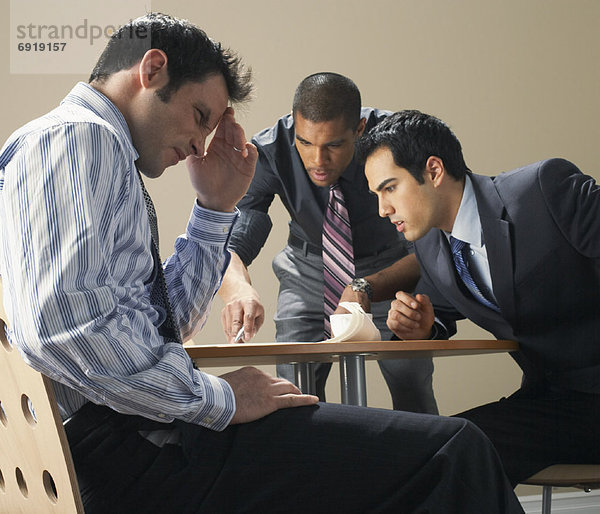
<point x="28" y="410"/>
<point x="21" y="482"/>
<point x="50" y="486"/>
<point x="3" y="418"/>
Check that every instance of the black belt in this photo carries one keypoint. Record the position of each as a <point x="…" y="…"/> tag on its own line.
<point x="304" y="246"/>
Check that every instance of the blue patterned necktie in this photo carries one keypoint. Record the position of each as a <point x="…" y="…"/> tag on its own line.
<point x="159" y="293"/>
<point x="338" y="254"/>
<point x="459" y="255"/>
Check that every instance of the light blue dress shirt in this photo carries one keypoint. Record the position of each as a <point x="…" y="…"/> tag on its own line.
<point x="75" y="263"/>
<point x="467" y="228"/>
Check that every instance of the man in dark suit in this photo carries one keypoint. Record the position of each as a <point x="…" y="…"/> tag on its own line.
<point x="518" y="254"/>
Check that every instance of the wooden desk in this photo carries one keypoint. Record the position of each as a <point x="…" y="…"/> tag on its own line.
<point x="351" y="355"/>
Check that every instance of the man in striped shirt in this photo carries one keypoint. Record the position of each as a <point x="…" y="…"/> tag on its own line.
<point x="90" y="305"/>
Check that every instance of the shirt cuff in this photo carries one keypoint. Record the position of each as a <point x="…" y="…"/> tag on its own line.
<point x="437" y="330"/>
<point x="219" y="403"/>
<point x="208" y="226"/>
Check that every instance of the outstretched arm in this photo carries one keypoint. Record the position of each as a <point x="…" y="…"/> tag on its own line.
<point x="242" y="302"/>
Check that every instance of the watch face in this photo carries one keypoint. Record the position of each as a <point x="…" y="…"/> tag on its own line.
<point x="361" y="285"/>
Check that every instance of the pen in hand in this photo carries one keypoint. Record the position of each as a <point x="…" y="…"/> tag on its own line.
<point x="239" y="336"/>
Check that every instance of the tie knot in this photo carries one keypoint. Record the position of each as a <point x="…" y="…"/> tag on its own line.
<point x="335" y="194"/>
<point x="457" y="245"/>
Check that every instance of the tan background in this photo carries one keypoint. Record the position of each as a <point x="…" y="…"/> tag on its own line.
<point x="517" y="80"/>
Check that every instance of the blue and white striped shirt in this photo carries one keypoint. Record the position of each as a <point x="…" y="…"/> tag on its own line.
<point x="75" y="263"/>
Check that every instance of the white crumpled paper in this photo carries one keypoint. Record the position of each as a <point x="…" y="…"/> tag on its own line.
<point x="356" y="326"/>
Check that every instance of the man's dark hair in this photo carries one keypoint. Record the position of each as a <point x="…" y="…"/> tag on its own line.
<point x="326" y="96"/>
<point x="191" y="55"/>
<point x="413" y="137"/>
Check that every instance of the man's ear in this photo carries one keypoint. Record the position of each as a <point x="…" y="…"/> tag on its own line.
<point x="361" y="127"/>
<point x="435" y="170"/>
<point x="153" y="69"/>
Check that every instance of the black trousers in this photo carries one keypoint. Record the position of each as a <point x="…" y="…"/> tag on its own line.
<point x="324" y="458"/>
<point x="535" y="429"/>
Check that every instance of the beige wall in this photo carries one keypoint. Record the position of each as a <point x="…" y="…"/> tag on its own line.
<point x="518" y="81"/>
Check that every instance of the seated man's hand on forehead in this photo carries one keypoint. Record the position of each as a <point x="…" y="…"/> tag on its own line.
<point x="222" y="176"/>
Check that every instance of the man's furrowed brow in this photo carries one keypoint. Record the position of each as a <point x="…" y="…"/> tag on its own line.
<point x="302" y="140"/>
<point x="333" y="142"/>
<point x="384" y="183"/>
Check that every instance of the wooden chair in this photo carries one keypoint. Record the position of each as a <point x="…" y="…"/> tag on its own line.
<point x="36" y="469"/>
<point x="581" y="476"/>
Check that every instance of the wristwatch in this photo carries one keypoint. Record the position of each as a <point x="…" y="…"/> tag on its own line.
<point x="361" y="285"/>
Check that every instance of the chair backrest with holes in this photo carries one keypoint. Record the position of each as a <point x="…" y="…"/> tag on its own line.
<point x="36" y="469"/>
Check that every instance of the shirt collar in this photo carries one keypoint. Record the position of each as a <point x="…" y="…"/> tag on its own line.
<point x="352" y="171"/>
<point x="467" y="225"/>
<point x="90" y="98"/>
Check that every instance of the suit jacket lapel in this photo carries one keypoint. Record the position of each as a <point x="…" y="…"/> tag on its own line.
<point x="496" y="233"/>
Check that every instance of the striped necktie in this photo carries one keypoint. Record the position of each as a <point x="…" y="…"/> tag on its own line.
<point x="159" y="293"/>
<point x="338" y="255"/>
<point x="459" y="249"/>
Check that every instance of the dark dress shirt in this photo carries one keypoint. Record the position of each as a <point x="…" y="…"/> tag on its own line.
<point x="280" y="171"/>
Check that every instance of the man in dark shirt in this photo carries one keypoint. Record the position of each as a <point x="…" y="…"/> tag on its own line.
<point x="299" y="158"/>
